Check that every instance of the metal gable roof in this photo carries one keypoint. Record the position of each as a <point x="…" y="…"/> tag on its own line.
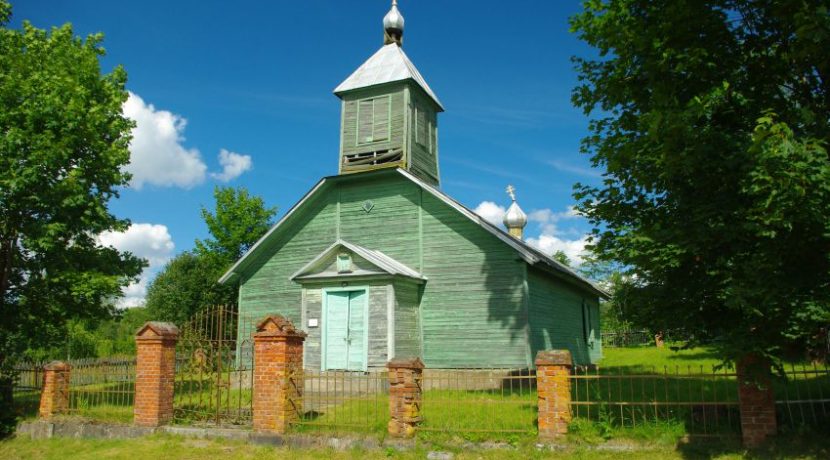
<point x="376" y="258"/>
<point x="531" y="255"/>
<point x="388" y="64"/>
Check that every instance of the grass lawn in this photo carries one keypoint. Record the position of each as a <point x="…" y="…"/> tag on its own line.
<point x="174" y="447"/>
<point x="650" y="359"/>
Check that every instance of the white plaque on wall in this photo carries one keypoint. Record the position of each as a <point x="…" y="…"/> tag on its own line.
<point x="312" y="322"/>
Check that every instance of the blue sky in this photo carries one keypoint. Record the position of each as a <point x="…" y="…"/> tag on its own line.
<point x="254" y="80"/>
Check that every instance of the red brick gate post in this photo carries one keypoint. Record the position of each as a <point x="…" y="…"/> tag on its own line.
<point x="155" y="373"/>
<point x="756" y="399"/>
<point x="553" y="387"/>
<point x="54" y="398"/>
<point x="278" y="375"/>
<point x="405" y="377"/>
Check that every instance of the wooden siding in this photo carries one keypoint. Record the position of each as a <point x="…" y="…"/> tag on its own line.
<point x="378" y="325"/>
<point x="268" y="290"/>
<point x="397" y="115"/>
<point x="392" y="224"/>
<point x="472" y="309"/>
<point x="556" y="314"/>
<point x="471" y="312"/>
<point x="423" y="154"/>
<point x="314" y="310"/>
<point x="407" y="329"/>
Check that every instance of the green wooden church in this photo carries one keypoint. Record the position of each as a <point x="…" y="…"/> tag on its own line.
<point x="377" y="262"/>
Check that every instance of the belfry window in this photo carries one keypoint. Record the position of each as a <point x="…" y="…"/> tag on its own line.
<point x="373" y="120"/>
<point x="423" y="122"/>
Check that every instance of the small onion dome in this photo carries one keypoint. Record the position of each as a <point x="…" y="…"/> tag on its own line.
<point x="515" y="217"/>
<point x="393" y="19"/>
<point x="393" y="26"/>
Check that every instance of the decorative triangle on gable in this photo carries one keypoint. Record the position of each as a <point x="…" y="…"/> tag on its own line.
<point x="346" y="260"/>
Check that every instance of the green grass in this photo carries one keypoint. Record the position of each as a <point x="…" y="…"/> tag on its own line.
<point x="653" y="359"/>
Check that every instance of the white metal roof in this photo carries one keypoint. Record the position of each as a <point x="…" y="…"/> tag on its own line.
<point x="377" y="258"/>
<point x="389" y="64"/>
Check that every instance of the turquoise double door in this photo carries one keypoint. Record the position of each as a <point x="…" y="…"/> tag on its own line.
<point x="345" y="330"/>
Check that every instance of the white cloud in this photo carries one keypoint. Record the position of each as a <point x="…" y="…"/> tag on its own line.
<point x="549" y="244"/>
<point x="149" y="241"/>
<point x="491" y="212"/>
<point x="157" y="156"/>
<point x="551" y="237"/>
<point x="233" y="165"/>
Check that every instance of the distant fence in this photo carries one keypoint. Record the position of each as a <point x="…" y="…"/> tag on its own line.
<point x="99" y="388"/>
<point x="631" y="338"/>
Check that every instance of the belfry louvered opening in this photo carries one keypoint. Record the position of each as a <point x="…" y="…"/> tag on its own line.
<point x="373" y="120"/>
<point x="364" y="160"/>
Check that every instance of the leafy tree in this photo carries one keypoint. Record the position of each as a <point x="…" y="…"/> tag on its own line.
<point x="236" y="223"/>
<point x="63" y="147"/>
<point x="711" y="123"/>
<point x="186" y="285"/>
<point x="562" y="258"/>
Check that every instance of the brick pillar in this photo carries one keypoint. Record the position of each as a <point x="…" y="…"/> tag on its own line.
<point x="278" y="375"/>
<point x="155" y="372"/>
<point x="54" y="399"/>
<point x="756" y="399"/>
<point x="553" y="387"/>
<point x="405" y="377"/>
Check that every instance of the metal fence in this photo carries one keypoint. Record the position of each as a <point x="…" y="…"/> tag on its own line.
<point x="635" y="338"/>
<point x="26" y="386"/>
<point x="484" y="401"/>
<point x="705" y="402"/>
<point x="214" y="369"/>
<point x="343" y="401"/>
<point x="803" y="400"/>
<point x="102" y="388"/>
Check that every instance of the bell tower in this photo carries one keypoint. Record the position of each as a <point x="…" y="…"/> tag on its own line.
<point x="389" y="113"/>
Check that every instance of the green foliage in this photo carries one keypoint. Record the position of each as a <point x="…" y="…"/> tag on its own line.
<point x="562" y="258"/>
<point x="186" y="285"/>
<point x="62" y="153"/>
<point x="711" y="121"/>
<point x="236" y="223"/>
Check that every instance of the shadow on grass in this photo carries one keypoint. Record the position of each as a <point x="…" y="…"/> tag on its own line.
<point x="815" y="444"/>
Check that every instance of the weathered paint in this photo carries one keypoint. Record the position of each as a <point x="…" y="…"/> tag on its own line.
<point x="472" y="311"/>
<point x="405" y="100"/>
<point x="556" y="318"/>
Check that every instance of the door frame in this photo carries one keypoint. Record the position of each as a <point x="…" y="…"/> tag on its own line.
<point x="324" y="329"/>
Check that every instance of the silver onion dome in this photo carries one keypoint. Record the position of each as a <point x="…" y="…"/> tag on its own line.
<point x="393" y="21"/>
<point x="514" y="217"/>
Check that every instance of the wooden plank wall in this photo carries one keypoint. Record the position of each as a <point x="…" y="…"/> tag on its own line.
<point x="407" y="329"/>
<point x="397" y="120"/>
<point x="423" y="161"/>
<point x="268" y="289"/>
<point x="472" y="310"/>
<point x="556" y="318"/>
